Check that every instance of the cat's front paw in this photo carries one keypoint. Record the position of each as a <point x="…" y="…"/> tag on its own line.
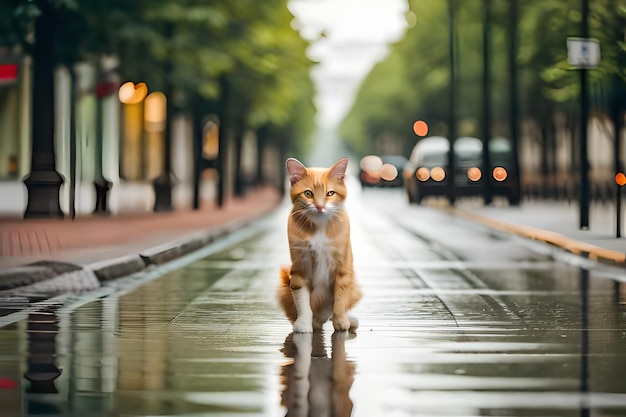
<point x="341" y="324"/>
<point x="302" y="326"/>
<point x="354" y="323"/>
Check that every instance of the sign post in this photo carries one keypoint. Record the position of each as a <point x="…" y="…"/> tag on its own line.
<point x="583" y="54"/>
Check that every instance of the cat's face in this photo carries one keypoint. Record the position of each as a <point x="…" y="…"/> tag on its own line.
<point x="318" y="192"/>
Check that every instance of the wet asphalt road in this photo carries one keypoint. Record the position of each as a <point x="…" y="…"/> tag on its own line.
<point x="455" y="321"/>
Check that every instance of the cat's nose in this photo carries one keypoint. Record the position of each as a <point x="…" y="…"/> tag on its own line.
<point x="320" y="209"/>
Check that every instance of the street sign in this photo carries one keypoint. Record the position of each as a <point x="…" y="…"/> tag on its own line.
<point x="583" y="52"/>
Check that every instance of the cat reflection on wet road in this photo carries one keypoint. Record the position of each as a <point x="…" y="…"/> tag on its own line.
<point x="313" y="383"/>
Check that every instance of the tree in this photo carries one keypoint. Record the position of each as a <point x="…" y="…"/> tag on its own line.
<point x="411" y="82"/>
<point x="190" y="50"/>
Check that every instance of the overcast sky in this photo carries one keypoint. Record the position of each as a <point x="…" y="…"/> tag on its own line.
<point x="349" y="37"/>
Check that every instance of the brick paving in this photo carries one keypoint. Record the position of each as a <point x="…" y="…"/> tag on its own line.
<point x="25" y="240"/>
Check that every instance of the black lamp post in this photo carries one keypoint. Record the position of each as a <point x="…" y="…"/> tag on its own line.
<point x="486" y="128"/>
<point x="452" y="99"/>
<point x="584" y="114"/>
<point x="513" y="99"/>
<point x="43" y="182"/>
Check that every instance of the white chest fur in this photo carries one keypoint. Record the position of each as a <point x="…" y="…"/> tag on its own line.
<point x="316" y="255"/>
<point x="322" y="260"/>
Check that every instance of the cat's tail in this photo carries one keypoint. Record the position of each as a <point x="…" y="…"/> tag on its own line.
<point x="285" y="275"/>
<point x="284" y="294"/>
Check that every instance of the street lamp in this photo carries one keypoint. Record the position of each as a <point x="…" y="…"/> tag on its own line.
<point x="486" y="104"/>
<point x="452" y="97"/>
<point x="131" y="93"/>
<point x="584" y="115"/>
<point x="43" y="182"/>
<point x="513" y="98"/>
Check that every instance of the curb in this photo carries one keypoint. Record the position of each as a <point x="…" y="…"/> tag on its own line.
<point x="575" y="247"/>
<point x="49" y="278"/>
<point x="32" y="273"/>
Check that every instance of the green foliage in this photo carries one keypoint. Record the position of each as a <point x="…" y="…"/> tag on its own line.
<point x="185" y="46"/>
<point x="412" y="82"/>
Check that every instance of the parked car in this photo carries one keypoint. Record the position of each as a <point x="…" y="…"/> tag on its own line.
<point x="427" y="172"/>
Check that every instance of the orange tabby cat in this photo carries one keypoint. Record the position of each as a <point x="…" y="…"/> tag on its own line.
<point x="320" y="284"/>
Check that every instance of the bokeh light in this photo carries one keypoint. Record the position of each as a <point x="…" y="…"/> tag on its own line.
<point x="371" y="163"/>
<point x="620" y="179"/>
<point x="422" y="174"/>
<point x="155" y="112"/>
<point x="420" y="128"/>
<point x="131" y="93"/>
<point x="388" y="172"/>
<point x="499" y="174"/>
<point x="474" y="174"/>
<point x="437" y="174"/>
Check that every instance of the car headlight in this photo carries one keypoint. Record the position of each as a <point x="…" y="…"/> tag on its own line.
<point x="474" y="174"/>
<point x="437" y="173"/>
<point x="499" y="174"/>
<point x="422" y="174"/>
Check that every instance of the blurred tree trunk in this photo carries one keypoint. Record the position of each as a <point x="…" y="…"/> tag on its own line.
<point x="239" y="132"/>
<point x="224" y="131"/>
<point x="198" y="162"/>
<point x="260" y="148"/>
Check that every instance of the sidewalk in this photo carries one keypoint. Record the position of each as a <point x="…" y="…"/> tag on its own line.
<point x="34" y="250"/>
<point x="557" y="223"/>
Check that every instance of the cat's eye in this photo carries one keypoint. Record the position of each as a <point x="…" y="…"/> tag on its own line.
<point x="308" y="193"/>
<point x="330" y="193"/>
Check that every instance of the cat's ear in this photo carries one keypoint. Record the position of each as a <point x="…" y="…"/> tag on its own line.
<point x="338" y="171"/>
<point x="296" y="170"/>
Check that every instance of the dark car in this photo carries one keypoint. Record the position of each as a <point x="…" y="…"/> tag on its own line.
<point x="427" y="172"/>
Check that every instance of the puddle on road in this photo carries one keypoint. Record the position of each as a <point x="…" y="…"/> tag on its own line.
<point x="208" y="339"/>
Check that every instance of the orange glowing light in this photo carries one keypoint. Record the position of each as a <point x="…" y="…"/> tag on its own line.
<point x="437" y="173"/>
<point x="620" y="179"/>
<point x="474" y="174"/>
<point x="155" y="112"/>
<point x="499" y="174"/>
<point x="388" y="172"/>
<point x="422" y="174"/>
<point x="371" y="163"/>
<point x="131" y="93"/>
<point x="420" y="128"/>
